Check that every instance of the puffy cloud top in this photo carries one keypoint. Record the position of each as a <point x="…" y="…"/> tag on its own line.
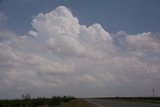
<point x="57" y="22"/>
<point x="145" y="42"/>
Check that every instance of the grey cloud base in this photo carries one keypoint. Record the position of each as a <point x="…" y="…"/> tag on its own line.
<point x="63" y="57"/>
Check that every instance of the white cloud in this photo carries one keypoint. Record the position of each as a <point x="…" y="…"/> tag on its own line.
<point x="65" y="57"/>
<point x="57" y="22"/>
<point x="32" y="33"/>
<point x="146" y="42"/>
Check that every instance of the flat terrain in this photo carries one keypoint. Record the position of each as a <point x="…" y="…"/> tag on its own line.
<point x="115" y="103"/>
<point x="82" y="102"/>
<point x="77" y="103"/>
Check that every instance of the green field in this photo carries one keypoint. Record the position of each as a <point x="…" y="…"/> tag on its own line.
<point x="67" y="101"/>
<point x="36" y="102"/>
<point x="56" y="101"/>
<point x="155" y="100"/>
<point x="76" y="103"/>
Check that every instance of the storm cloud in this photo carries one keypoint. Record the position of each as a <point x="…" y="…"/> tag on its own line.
<point x="61" y="56"/>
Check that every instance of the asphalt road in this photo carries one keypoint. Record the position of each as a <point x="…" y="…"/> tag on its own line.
<point x="112" y="103"/>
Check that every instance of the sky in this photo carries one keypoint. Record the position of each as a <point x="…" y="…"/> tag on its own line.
<point x="80" y="48"/>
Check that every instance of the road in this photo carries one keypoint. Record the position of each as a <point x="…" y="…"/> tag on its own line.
<point x="112" y="103"/>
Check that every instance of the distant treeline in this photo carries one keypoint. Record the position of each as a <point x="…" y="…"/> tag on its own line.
<point x="36" y="102"/>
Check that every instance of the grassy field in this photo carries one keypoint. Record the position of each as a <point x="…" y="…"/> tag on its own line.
<point x="155" y="100"/>
<point x="76" y="103"/>
<point x="36" y="102"/>
<point x="56" y="101"/>
<point x="67" y="101"/>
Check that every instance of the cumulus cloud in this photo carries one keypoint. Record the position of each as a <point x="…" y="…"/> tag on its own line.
<point x="61" y="56"/>
<point x="145" y="42"/>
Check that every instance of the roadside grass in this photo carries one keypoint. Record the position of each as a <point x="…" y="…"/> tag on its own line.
<point x="36" y="102"/>
<point x="76" y="103"/>
<point x="155" y="100"/>
<point x="56" y="101"/>
<point x="145" y="100"/>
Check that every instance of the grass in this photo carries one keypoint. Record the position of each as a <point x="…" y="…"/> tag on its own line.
<point x="36" y="102"/>
<point x="155" y="100"/>
<point x="68" y="101"/>
<point x="76" y="103"/>
<point x="56" y="101"/>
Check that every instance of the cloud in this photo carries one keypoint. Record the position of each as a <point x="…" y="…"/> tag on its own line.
<point x="64" y="57"/>
<point x="146" y="42"/>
